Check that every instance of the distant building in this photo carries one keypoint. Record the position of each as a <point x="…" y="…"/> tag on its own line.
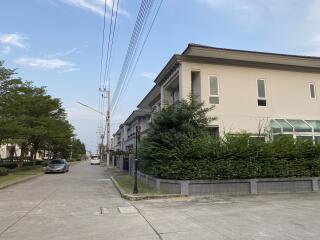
<point x="9" y="151"/>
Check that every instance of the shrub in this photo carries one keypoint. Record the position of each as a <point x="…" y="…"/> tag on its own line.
<point x="39" y="162"/>
<point x="3" y="171"/>
<point x="177" y="147"/>
<point x="9" y="165"/>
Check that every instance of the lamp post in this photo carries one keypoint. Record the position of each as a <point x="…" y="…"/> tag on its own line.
<point x="135" y="185"/>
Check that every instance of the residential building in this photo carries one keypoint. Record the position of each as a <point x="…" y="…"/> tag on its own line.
<point x="8" y="151"/>
<point x="255" y="92"/>
<point x="124" y="138"/>
<point x="250" y="91"/>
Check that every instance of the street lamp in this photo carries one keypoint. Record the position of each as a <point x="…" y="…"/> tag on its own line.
<point x="135" y="185"/>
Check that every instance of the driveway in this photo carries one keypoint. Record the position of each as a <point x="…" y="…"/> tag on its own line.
<point x="83" y="204"/>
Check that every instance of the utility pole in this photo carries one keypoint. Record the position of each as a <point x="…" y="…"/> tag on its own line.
<point x="135" y="185"/>
<point x="108" y="128"/>
<point x="107" y="95"/>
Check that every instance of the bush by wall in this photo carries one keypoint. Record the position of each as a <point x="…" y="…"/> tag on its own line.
<point x="178" y="147"/>
<point x="14" y="165"/>
<point x="236" y="157"/>
<point x="3" y="171"/>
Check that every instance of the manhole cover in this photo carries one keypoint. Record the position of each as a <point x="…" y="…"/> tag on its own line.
<point x="127" y="209"/>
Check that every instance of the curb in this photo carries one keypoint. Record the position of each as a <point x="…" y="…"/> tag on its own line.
<point x="21" y="181"/>
<point x="132" y="197"/>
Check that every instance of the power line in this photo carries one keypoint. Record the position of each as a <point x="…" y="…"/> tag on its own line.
<point x="109" y="42"/>
<point x="142" y="47"/>
<point x="132" y="58"/>
<point x="102" y="56"/>
<point x="141" y="20"/>
<point x="109" y="53"/>
<point x="113" y="33"/>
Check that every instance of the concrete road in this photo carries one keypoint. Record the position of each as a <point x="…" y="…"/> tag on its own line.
<point x="69" y="206"/>
<point x="83" y="204"/>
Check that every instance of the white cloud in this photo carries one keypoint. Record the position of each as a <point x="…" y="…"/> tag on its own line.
<point x="5" y="50"/>
<point x="64" y="53"/>
<point x="95" y="6"/>
<point x="252" y="11"/>
<point x="14" y="39"/>
<point x="45" y="63"/>
<point x="149" y="75"/>
<point x="240" y="5"/>
<point x="72" y="69"/>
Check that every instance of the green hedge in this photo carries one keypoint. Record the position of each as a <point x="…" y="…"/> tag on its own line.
<point x="14" y="165"/>
<point x="234" y="157"/>
<point x="3" y="171"/>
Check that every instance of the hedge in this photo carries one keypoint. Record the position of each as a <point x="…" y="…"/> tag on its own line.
<point x="234" y="157"/>
<point x="14" y="165"/>
<point x="3" y="171"/>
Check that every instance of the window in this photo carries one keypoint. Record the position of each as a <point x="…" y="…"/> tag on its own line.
<point x="312" y="90"/>
<point x="214" y="90"/>
<point x="213" y="131"/>
<point x="262" y="101"/>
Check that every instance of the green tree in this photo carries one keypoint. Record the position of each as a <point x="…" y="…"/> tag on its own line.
<point x="78" y="149"/>
<point x="176" y="129"/>
<point x="31" y="118"/>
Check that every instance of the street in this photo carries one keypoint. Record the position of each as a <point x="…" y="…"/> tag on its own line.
<point x="83" y="204"/>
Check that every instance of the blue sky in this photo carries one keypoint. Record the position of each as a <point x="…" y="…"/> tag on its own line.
<point x="57" y="43"/>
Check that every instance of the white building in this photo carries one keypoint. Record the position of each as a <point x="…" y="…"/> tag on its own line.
<point x="250" y="91"/>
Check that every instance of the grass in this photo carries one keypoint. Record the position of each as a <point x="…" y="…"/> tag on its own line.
<point x="126" y="183"/>
<point x="19" y="175"/>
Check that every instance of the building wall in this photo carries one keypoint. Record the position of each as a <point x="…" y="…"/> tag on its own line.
<point x="287" y="94"/>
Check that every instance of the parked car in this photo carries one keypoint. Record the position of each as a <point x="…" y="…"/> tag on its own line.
<point x="58" y="166"/>
<point x="95" y="160"/>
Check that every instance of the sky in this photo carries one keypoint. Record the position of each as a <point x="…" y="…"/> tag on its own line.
<point x="57" y="43"/>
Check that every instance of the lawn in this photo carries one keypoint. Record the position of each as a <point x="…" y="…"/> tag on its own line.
<point x="18" y="176"/>
<point x="126" y="183"/>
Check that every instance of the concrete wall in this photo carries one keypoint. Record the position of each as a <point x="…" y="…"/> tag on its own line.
<point x="287" y="94"/>
<point x="234" y="187"/>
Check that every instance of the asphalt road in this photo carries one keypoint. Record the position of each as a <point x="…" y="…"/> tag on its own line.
<point x="83" y="204"/>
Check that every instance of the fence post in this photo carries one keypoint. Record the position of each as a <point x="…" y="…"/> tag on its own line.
<point x="158" y="182"/>
<point x="184" y="187"/>
<point x="253" y="186"/>
<point x="315" y="184"/>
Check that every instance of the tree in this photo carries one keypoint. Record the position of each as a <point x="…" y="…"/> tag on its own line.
<point x="78" y="149"/>
<point x="31" y="118"/>
<point x="177" y="127"/>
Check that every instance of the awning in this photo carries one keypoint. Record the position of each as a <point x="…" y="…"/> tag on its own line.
<point x="294" y="125"/>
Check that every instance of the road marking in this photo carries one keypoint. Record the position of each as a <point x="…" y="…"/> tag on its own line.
<point x="149" y="223"/>
<point x="130" y="209"/>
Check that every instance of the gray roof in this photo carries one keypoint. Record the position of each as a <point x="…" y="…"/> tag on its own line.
<point x="223" y="56"/>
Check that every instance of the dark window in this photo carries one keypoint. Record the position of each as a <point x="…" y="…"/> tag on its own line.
<point x="312" y="90"/>
<point x="262" y="102"/>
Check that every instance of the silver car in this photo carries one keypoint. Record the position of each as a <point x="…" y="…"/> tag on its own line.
<point x="58" y="166"/>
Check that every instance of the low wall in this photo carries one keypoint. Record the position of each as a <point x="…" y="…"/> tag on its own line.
<point x="246" y="186"/>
